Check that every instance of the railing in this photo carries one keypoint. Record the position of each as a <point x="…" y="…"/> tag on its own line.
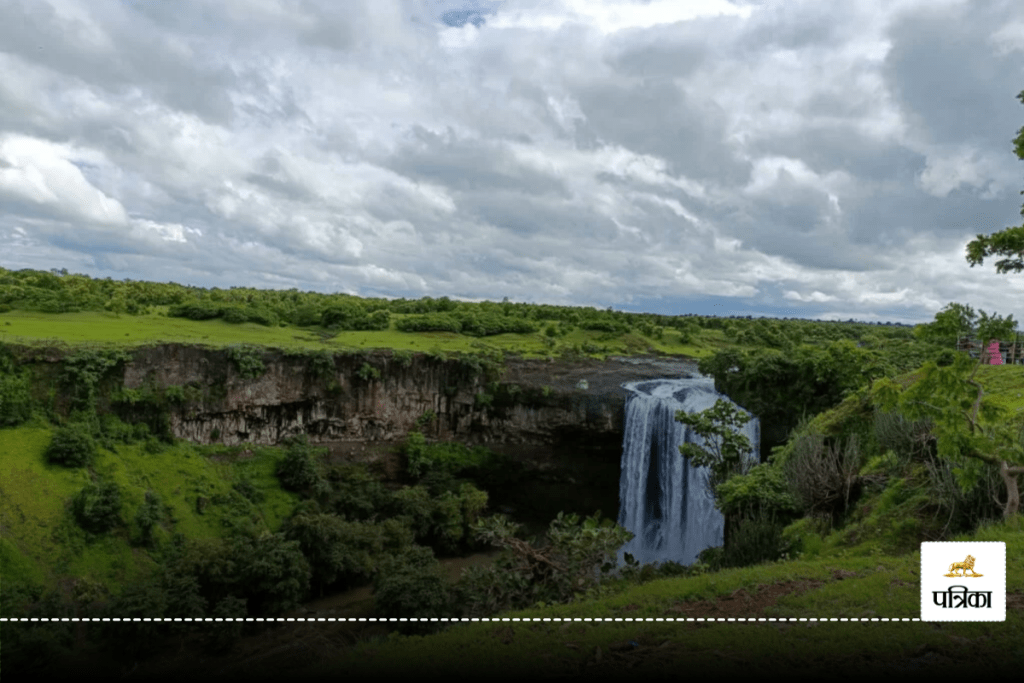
<point x="997" y="353"/>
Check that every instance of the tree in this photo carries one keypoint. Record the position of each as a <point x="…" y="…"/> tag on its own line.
<point x="951" y="323"/>
<point x="725" y="446"/>
<point x="954" y="401"/>
<point x="1006" y="242"/>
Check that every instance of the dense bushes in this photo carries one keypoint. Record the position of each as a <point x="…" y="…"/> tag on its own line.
<point x="412" y="584"/>
<point x="441" y="518"/>
<point x="821" y="474"/>
<point x="466" y="322"/>
<point x="231" y="313"/>
<point x="483" y="325"/>
<point x="147" y="516"/>
<point x="437" y="322"/>
<point x="452" y="458"/>
<point x="15" y="402"/>
<point x="353" y="316"/>
<point x="577" y="553"/>
<point x="340" y="550"/>
<point x="71" y="446"/>
<point x="247" y="360"/>
<point x="300" y="469"/>
<point x="97" y="507"/>
<point x="600" y="325"/>
<point x="355" y="493"/>
<point x="267" y="570"/>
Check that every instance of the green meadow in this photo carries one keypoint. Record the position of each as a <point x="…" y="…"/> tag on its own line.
<point x="29" y="327"/>
<point x="43" y="545"/>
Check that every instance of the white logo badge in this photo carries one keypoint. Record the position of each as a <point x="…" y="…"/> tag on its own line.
<point x="963" y="581"/>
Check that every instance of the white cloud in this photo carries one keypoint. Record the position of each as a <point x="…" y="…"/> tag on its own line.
<point x="45" y="175"/>
<point x="802" y="154"/>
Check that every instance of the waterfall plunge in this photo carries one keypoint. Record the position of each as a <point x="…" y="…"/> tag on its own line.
<point x="663" y="500"/>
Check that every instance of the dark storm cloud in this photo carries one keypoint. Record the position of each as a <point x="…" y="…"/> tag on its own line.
<point x="653" y="116"/>
<point x="271" y="174"/>
<point x="467" y="165"/>
<point x="527" y="215"/>
<point x="945" y="71"/>
<point x="117" y="57"/>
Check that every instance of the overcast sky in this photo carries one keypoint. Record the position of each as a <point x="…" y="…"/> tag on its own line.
<point x="789" y="158"/>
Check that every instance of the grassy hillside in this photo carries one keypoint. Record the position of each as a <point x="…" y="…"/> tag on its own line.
<point x="791" y="599"/>
<point x="43" y="545"/>
<point x="31" y="327"/>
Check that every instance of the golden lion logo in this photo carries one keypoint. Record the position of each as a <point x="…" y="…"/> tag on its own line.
<point x="965" y="566"/>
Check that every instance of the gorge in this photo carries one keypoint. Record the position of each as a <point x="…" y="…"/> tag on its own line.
<point x="596" y="422"/>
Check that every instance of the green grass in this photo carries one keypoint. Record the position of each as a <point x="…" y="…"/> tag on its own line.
<point x="42" y="543"/>
<point x="874" y="587"/>
<point x="129" y="331"/>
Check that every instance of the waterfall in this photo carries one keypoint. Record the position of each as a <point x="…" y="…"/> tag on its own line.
<point x="663" y="500"/>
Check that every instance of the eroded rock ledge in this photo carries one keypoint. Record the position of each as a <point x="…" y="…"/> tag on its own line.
<point x="336" y="403"/>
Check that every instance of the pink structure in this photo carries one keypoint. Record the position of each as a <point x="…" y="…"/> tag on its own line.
<point x="994" y="357"/>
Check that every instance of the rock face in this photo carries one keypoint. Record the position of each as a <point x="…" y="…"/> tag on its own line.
<point x="289" y="399"/>
<point x="377" y="396"/>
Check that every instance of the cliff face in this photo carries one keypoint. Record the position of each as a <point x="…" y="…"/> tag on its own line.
<point x="210" y="395"/>
<point x="289" y="398"/>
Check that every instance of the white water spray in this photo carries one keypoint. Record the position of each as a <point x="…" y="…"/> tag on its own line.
<point x="666" y="502"/>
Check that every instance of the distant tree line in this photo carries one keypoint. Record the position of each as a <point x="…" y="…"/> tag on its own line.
<point x="57" y="291"/>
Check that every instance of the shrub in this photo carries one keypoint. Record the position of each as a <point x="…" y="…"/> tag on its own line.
<point x="908" y="438"/>
<point x="71" y="446"/>
<point x="154" y="446"/>
<point x="234" y="314"/>
<point x="821" y="477"/>
<point x="487" y="324"/>
<point x="763" y="491"/>
<point x="346" y="315"/>
<point x="174" y="394"/>
<point x="404" y="358"/>
<point x="147" y="517"/>
<point x="601" y="326"/>
<point x="412" y="584"/>
<point x="113" y="429"/>
<point x="425" y="419"/>
<point x="246" y="360"/>
<point x="97" y="506"/>
<point x="377" y="320"/>
<point x="432" y="322"/>
<point x="321" y="364"/>
<point x="455" y="514"/>
<point x="194" y="311"/>
<point x="265" y="569"/>
<point x="578" y="552"/>
<point x="248" y="490"/>
<point x="452" y="458"/>
<point x="356" y="494"/>
<point x="15" y="402"/>
<point x="366" y="372"/>
<point x="753" y="541"/>
<point x="299" y="469"/>
<point x="340" y="550"/>
<point x="27" y="648"/>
